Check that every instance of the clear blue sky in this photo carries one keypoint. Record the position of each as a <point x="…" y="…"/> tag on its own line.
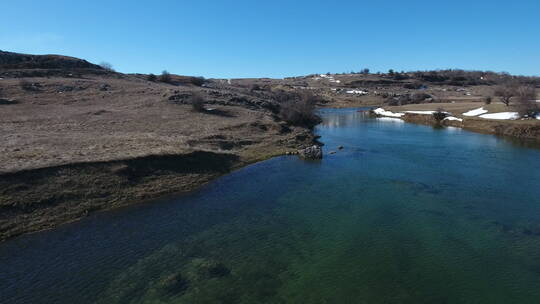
<point x="279" y="38"/>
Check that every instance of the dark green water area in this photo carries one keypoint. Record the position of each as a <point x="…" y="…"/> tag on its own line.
<point x="403" y="214"/>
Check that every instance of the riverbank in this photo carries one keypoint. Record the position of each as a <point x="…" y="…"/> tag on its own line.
<point x="45" y="198"/>
<point x="472" y="116"/>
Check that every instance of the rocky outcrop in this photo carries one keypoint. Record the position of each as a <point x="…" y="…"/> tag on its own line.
<point x="313" y="152"/>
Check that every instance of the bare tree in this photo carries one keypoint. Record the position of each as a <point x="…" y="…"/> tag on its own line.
<point x="107" y="66"/>
<point x="505" y="92"/>
<point x="526" y="101"/>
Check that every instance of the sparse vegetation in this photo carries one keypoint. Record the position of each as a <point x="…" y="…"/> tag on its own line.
<point x="488" y="100"/>
<point x="165" y="77"/>
<point x="197" y="102"/>
<point x="151" y="77"/>
<point x="526" y="102"/>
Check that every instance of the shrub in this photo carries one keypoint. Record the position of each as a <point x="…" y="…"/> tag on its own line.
<point x="419" y="97"/>
<point x="106" y="66"/>
<point x="27" y="85"/>
<point x="365" y="71"/>
<point x="526" y="103"/>
<point x="197" y="103"/>
<point x="487" y="100"/>
<point x="439" y="115"/>
<point x="413" y="86"/>
<point x="165" y="77"/>
<point x="151" y="77"/>
<point x="255" y="87"/>
<point x="300" y="110"/>
<point x="198" y="81"/>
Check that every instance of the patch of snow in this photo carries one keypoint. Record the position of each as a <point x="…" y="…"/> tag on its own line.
<point x="421" y="112"/>
<point x="453" y="118"/>
<point x="501" y="115"/>
<point x="475" y="112"/>
<point x="356" y="92"/>
<point x="383" y="112"/>
<point x="538" y="116"/>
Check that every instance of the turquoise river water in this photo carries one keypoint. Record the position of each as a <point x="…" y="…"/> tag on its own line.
<point x="403" y="214"/>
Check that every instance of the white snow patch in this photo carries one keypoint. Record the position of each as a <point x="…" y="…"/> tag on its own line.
<point x="421" y="112"/>
<point x="356" y="92"/>
<point x="538" y="116"/>
<point x="475" y="112"/>
<point x="453" y="118"/>
<point x="501" y="115"/>
<point x="383" y="112"/>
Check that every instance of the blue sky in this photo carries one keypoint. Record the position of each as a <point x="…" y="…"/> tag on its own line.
<point x="279" y="38"/>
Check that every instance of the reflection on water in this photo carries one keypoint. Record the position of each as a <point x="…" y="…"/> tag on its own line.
<point x="403" y="214"/>
<point x="354" y="117"/>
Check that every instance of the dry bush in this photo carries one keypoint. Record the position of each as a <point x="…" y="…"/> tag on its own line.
<point x="488" y="99"/>
<point x="299" y="109"/>
<point x="413" y="86"/>
<point x="151" y="77"/>
<point x="419" y="97"/>
<point x="440" y="114"/>
<point x="27" y="85"/>
<point x="106" y="66"/>
<point x="197" y="103"/>
<point x="526" y="101"/>
<point x="198" y="81"/>
<point x="165" y="77"/>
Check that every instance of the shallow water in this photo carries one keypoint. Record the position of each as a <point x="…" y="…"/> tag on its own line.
<point x="404" y="214"/>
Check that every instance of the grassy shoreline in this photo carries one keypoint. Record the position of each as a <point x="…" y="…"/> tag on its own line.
<point x="44" y="198"/>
